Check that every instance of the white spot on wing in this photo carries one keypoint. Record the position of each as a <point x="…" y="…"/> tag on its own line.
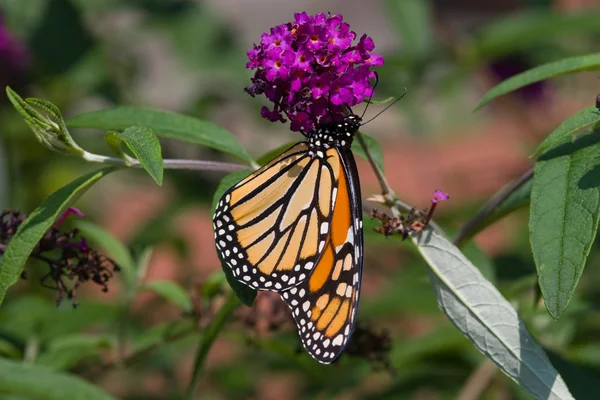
<point x="338" y="341"/>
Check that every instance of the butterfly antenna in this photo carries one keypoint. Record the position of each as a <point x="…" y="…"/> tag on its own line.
<point x="382" y="111"/>
<point x="371" y="97"/>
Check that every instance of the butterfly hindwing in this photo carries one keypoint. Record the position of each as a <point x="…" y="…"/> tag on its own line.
<point x="271" y="227"/>
<point x="324" y="306"/>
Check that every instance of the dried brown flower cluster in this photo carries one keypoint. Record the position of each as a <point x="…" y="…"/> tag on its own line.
<point x="70" y="261"/>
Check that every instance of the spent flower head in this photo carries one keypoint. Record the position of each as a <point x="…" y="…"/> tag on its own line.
<point x="71" y="262"/>
<point x="311" y="69"/>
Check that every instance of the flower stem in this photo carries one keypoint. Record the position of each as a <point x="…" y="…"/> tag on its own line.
<point x="170" y="163"/>
<point x="208" y="338"/>
<point x="470" y="227"/>
<point x="390" y="197"/>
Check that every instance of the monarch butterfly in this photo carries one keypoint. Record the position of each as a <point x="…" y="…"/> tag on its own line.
<point x="295" y="227"/>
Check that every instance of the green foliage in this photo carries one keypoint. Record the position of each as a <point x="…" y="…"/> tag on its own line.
<point x="39" y="383"/>
<point x="35" y="226"/>
<point x="171" y="292"/>
<point x="413" y="19"/>
<point x="113" y="247"/>
<point x="480" y="312"/>
<point x="163" y="123"/>
<point x="208" y="338"/>
<point x="144" y="144"/>
<point x="49" y="128"/>
<point x="571" y="65"/>
<point x="565" y="203"/>
<point x="524" y="30"/>
<point x="117" y="336"/>
<point x="67" y="351"/>
<point x="580" y="120"/>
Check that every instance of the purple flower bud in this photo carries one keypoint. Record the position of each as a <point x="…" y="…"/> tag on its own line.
<point x="310" y="70"/>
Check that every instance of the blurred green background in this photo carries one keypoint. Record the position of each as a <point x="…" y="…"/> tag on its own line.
<point x="189" y="56"/>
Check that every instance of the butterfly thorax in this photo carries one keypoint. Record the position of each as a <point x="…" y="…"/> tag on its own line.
<point x="335" y="134"/>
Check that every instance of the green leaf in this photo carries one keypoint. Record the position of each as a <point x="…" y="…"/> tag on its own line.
<point x="374" y="148"/>
<point x="112" y="246"/>
<point x="9" y="350"/>
<point x="540" y="73"/>
<point x="517" y="199"/>
<point x="525" y="30"/>
<point x="159" y="334"/>
<point x="406" y="352"/>
<point x="272" y="154"/>
<point x="163" y="123"/>
<point x="114" y="141"/>
<point x="171" y="292"/>
<point x="486" y="318"/>
<point x="35" y="226"/>
<point x="23" y="16"/>
<point x="581" y="119"/>
<point x="582" y="382"/>
<point x="67" y="351"/>
<point x="48" y="127"/>
<point x="480" y="260"/>
<point x="39" y="383"/>
<point x="208" y="338"/>
<point x="245" y="293"/>
<point x="565" y="202"/>
<point x="413" y="19"/>
<point x="144" y="144"/>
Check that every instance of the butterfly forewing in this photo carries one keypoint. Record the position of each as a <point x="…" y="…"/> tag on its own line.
<point x="324" y="306"/>
<point x="271" y="228"/>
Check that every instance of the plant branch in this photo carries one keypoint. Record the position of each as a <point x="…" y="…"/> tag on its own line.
<point x="387" y="191"/>
<point x="478" y="381"/>
<point x="470" y="227"/>
<point x="169" y="163"/>
<point x="208" y="338"/>
<point x="390" y="197"/>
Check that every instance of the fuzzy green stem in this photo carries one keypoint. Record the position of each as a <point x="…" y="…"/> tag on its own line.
<point x="200" y="165"/>
<point x="391" y="199"/>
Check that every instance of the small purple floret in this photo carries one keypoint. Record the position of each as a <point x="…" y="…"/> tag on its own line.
<point x="439" y="196"/>
<point x="311" y="71"/>
<point x="69" y="211"/>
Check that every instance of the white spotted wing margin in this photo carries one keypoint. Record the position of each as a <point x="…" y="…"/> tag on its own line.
<point x="487" y="319"/>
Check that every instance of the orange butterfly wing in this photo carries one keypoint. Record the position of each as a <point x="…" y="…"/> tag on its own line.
<point x="271" y="227"/>
<point x="324" y="306"/>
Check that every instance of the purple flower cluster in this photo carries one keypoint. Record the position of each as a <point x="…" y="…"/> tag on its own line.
<point x="14" y="60"/>
<point x="311" y="70"/>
